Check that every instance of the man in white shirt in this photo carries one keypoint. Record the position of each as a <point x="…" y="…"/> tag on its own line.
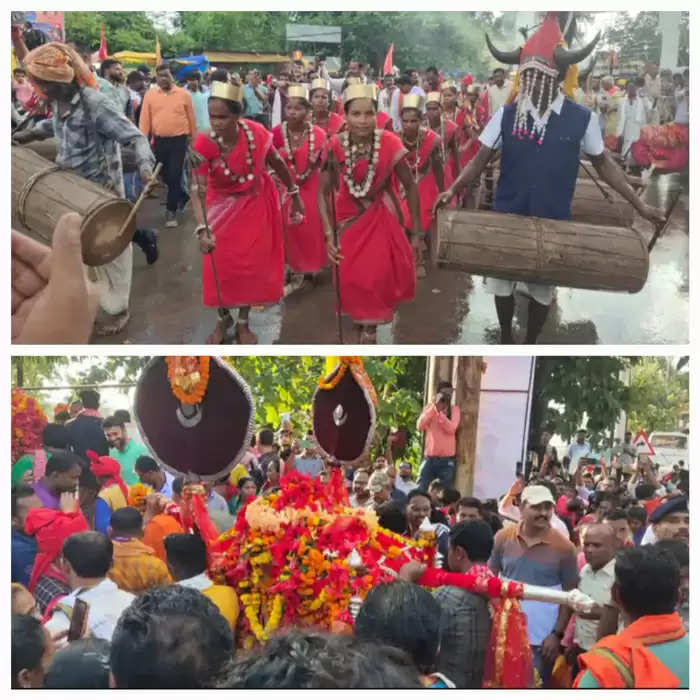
<point x="628" y="456"/>
<point x="634" y="113"/>
<point x="151" y="474"/>
<point x="499" y="91"/>
<point x="87" y="557"/>
<point x="404" y="481"/>
<point x="386" y="95"/>
<point x="595" y="580"/>
<point x="577" y="451"/>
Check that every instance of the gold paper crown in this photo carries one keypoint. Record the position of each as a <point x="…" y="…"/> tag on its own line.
<point x="353" y="80"/>
<point x="354" y="92"/>
<point x="430" y="97"/>
<point x="412" y="101"/>
<point x="319" y="84"/>
<point x="298" y="91"/>
<point x="227" y="91"/>
<point x="448" y="85"/>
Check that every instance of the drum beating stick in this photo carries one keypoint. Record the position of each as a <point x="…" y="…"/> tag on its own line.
<point x="139" y="201"/>
<point x="660" y="230"/>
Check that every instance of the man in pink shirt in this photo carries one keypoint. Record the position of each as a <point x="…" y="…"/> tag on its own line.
<point x="439" y="420"/>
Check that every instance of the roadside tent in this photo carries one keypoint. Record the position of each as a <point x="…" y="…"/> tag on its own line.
<point x="182" y="66"/>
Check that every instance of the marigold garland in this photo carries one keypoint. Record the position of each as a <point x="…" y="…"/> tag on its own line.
<point x="355" y="364"/>
<point x="287" y="557"/>
<point x="188" y="376"/>
<point x="27" y="424"/>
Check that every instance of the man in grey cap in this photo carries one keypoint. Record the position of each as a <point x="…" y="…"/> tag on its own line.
<point x="532" y="551"/>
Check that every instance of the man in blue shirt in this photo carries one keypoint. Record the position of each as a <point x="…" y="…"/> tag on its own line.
<point x="24" y="548"/>
<point x="255" y="96"/>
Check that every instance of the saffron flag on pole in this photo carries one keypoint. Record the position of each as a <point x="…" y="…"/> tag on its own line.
<point x="103" y="53"/>
<point x="389" y="61"/>
<point x="159" y="58"/>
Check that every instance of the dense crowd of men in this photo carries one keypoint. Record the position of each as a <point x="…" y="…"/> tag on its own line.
<point x="95" y="521"/>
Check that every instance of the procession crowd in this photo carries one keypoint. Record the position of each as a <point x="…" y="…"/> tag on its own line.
<point x="295" y="172"/>
<point x="96" y="520"/>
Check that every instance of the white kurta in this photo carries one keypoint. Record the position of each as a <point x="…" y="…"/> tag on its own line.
<point x="632" y="116"/>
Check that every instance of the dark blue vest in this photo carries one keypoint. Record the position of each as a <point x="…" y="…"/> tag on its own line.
<point x="540" y="180"/>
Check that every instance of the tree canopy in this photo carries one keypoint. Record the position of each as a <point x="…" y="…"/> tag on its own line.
<point x="453" y="41"/>
<point x="637" y="37"/>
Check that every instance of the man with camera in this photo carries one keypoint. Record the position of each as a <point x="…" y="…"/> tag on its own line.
<point x="439" y="420"/>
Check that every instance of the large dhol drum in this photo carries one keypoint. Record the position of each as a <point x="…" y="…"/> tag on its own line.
<point x="590" y="205"/>
<point x="42" y="193"/>
<point x="547" y="251"/>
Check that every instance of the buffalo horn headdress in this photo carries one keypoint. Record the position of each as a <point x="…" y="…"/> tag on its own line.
<point x="546" y="52"/>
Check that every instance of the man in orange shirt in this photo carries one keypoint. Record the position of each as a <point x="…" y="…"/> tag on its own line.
<point x="439" y="420"/>
<point x="167" y="117"/>
<point x="135" y="566"/>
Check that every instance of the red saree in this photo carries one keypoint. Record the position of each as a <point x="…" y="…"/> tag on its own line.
<point x="421" y="167"/>
<point x="448" y="132"/>
<point x="467" y="136"/>
<point x="305" y="242"/>
<point x="334" y="124"/>
<point x="246" y="221"/>
<point x="384" y="121"/>
<point x="377" y="271"/>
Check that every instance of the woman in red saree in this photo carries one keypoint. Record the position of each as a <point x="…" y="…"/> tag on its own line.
<point x="449" y="100"/>
<point x="375" y="259"/>
<point x="424" y="162"/>
<point x="321" y="116"/>
<point x="468" y="130"/>
<point x="241" y="229"/>
<point x="300" y="144"/>
<point x="447" y="131"/>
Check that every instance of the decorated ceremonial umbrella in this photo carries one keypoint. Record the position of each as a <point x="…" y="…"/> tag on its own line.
<point x="344" y="411"/>
<point x="195" y="414"/>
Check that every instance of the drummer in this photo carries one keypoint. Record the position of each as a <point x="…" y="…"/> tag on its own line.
<point x="89" y="132"/>
<point x="540" y="136"/>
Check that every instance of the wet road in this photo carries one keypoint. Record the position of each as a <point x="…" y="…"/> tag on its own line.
<point x="449" y="307"/>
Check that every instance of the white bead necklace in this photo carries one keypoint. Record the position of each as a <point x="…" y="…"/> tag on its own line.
<point x="352" y="157"/>
<point x="250" y="147"/>
<point x="311" y="162"/>
<point x="413" y="166"/>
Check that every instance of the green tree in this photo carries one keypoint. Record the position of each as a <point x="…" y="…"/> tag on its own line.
<point x="133" y="31"/>
<point x="637" y="37"/>
<point x="567" y="389"/>
<point x="658" y="395"/>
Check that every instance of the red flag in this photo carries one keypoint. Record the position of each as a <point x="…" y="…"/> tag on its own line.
<point x="389" y="62"/>
<point x="103" y="53"/>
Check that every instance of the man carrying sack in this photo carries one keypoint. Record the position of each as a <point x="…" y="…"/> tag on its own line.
<point x="541" y="133"/>
<point x="89" y="133"/>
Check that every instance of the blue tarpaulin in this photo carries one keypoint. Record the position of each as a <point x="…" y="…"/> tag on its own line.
<point x="184" y="65"/>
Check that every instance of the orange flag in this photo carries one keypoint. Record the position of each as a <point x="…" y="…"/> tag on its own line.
<point x="389" y="62"/>
<point x="159" y="58"/>
<point x="103" y="53"/>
